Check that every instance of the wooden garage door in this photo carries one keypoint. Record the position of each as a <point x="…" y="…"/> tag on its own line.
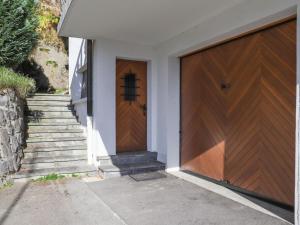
<point x="238" y="112"/>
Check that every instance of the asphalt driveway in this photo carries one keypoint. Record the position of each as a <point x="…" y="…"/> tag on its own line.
<point x="139" y="200"/>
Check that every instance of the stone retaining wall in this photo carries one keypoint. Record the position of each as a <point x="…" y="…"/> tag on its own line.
<point x="11" y="133"/>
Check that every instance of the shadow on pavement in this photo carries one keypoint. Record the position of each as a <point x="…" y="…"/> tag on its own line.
<point x="10" y="208"/>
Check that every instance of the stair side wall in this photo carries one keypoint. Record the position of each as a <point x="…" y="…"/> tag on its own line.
<point x="12" y="132"/>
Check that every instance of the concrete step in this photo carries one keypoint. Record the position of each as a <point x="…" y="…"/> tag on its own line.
<point x="62" y="120"/>
<point x="56" y="142"/>
<point x="42" y="130"/>
<point x="40" y="114"/>
<point x="127" y="158"/>
<point x="55" y="139"/>
<point x="36" y="173"/>
<point x="51" y="129"/>
<point x="42" y="109"/>
<point x="53" y="159"/>
<point x="54" y="162"/>
<point x="51" y="97"/>
<point x="110" y="171"/>
<point x="48" y="100"/>
<point x="44" y="153"/>
<point x="53" y="148"/>
<point x="31" y="102"/>
<point x="57" y="126"/>
<point x="60" y="143"/>
<point x="56" y="134"/>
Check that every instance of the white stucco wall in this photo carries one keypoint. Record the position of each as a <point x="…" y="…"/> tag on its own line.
<point x="77" y="59"/>
<point x="104" y="92"/>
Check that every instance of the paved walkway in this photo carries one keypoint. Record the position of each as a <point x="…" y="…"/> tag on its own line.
<point x="138" y="201"/>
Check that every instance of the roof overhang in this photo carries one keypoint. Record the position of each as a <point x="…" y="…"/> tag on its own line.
<point x="137" y="21"/>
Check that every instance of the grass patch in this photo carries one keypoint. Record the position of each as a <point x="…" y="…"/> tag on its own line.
<point x="60" y="91"/>
<point x="50" y="177"/>
<point x="18" y="82"/>
<point x="75" y="175"/>
<point x="6" y="185"/>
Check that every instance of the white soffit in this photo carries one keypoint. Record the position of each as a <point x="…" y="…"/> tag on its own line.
<point x="146" y="22"/>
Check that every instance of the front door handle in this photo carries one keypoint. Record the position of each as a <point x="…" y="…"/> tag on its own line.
<point x="144" y="108"/>
<point x="225" y="86"/>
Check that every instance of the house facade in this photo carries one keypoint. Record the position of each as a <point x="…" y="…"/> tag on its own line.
<point x="211" y="86"/>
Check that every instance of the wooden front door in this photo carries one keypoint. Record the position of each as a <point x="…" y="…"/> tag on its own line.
<point x="131" y="105"/>
<point x="238" y="112"/>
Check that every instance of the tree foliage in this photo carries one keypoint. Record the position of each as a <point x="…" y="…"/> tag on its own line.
<point x="48" y="15"/>
<point x="18" y="36"/>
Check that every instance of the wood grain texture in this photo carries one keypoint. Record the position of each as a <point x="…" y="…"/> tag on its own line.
<point x="203" y="115"/>
<point x="258" y="111"/>
<point x="131" y="121"/>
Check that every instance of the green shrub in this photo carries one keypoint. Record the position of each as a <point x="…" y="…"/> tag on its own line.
<point x="18" y="82"/>
<point x="18" y="31"/>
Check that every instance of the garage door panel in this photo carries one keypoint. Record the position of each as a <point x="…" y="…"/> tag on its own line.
<point x="282" y="49"/>
<point x="243" y="133"/>
<point x="272" y="107"/>
<point x="278" y="88"/>
<point x="202" y="132"/>
<point x="248" y="50"/>
<point x="283" y="73"/>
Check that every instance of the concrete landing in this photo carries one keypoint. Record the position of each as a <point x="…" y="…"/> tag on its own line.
<point x="143" y="199"/>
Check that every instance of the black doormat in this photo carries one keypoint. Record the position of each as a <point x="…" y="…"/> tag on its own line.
<point x="148" y="176"/>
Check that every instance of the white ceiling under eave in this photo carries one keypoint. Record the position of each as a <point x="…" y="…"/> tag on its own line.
<point x="145" y="22"/>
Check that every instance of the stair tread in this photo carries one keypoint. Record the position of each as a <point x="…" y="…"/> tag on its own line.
<point x="51" y="117"/>
<point x="55" y="139"/>
<point x="48" y="94"/>
<point x="53" y="159"/>
<point x="66" y="131"/>
<point x="50" y="109"/>
<point x="48" y="100"/>
<point x="128" y="154"/>
<point x="52" y="124"/>
<point x="56" y="148"/>
<point x="132" y="166"/>
<point x="27" y="173"/>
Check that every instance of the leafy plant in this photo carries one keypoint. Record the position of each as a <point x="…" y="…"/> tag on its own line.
<point x="7" y="185"/>
<point x="48" y="20"/>
<point x="47" y="50"/>
<point x="18" y="82"/>
<point x="52" y="62"/>
<point x="18" y="36"/>
<point x="60" y="90"/>
<point x="75" y="175"/>
<point x="50" y="177"/>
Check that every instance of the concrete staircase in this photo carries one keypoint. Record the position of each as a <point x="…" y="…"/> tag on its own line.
<point x="56" y="143"/>
<point x="129" y="163"/>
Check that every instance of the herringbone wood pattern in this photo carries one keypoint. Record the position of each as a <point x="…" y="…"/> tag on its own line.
<point x="131" y="119"/>
<point x="203" y="115"/>
<point x="259" y="121"/>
